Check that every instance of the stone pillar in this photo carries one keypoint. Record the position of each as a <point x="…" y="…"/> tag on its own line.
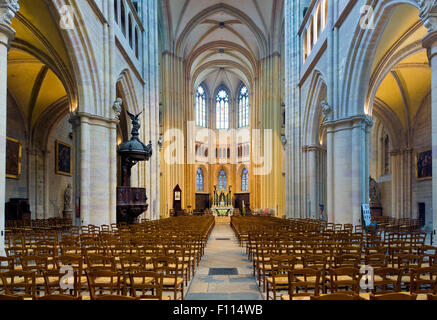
<point x="151" y="95"/>
<point x="348" y="168"/>
<point x="316" y="179"/>
<point x="401" y="161"/>
<point x="428" y="14"/>
<point x="95" y="172"/>
<point x="8" y="8"/>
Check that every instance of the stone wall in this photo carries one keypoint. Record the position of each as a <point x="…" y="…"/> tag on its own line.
<point x="17" y="188"/>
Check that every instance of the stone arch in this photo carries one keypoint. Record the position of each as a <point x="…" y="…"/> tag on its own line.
<point x="126" y="85"/>
<point x="313" y="110"/>
<point x="357" y="72"/>
<point x="82" y="59"/>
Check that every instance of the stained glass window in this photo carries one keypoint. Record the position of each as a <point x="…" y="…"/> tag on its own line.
<point x="201" y="107"/>
<point x="243" y="107"/>
<point x="199" y="179"/>
<point x="245" y="180"/>
<point x="222" y="110"/>
<point x="222" y="179"/>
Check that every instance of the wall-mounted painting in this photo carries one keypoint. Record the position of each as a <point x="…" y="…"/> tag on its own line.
<point x="64" y="159"/>
<point x="13" y="158"/>
<point x="424" y="165"/>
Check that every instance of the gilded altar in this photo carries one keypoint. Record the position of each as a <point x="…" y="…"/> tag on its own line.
<point x="222" y="203"/>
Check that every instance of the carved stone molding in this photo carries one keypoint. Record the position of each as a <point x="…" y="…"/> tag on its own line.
<point x="428" y="14"/>
<point x="313" y="148"/>
<point x="363" y="121"/>
<point x="8" y="9"/>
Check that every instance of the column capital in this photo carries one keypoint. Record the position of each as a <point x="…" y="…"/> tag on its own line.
<point x="428" y="14"/>
<point x="8" y="9"/>
<point x="363" y="120"/>
<point x="313" y="148"/>
<point x="76" y="118"/>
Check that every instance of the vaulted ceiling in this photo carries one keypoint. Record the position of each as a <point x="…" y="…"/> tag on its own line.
<point x="222" y="40"/>
<point x="38" y="65"/>
<point x="406" y="80"/>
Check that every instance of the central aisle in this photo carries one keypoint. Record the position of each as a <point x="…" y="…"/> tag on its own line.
<point x="225" y="258"/>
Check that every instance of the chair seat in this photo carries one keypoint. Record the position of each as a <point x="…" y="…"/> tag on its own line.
<point x="140" y="281"/>
<point x="278" y="280"/>
<point x="308" y="279"/>
<point x="405" y="279"/>
<point x="180" y="266"/>
<point x="104" y="280"/>
<point x="171" y="281"/>
<point x="17" y="280"/>
<point x="342" y="278"/>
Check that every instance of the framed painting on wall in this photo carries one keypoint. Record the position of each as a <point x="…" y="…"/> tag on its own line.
<point x="64" y="159"/>
<point x="13" y="158"/>
<point x="424" y="165"/>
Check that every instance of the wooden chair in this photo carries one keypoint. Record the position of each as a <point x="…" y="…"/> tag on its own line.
<point x="173" y="278"/>
<point x="53" y="280"/>
<point x="394" y="296"/>
<point x="148" y="283"/>
<point x="387" y="280"/>
<point x="104" y="282"/>
<point x="304" y="282"/>
<point x="431" y="296"/>
<point x="76" y="262"/>
<point x="280" y="267"/>
<point x="344" y="279"/>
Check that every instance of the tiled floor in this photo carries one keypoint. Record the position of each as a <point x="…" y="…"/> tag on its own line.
<point x="224" y="254"/>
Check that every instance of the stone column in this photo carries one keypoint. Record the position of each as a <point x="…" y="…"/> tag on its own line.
<point x="348" y="168"/>
<point x="316" y="178"/>
<point x="428" y="14"/>
<point x="8" y="8"/>
<point x="151" y="104"/>
<point x="95" y="178"/>
<point x="401" y="161"/>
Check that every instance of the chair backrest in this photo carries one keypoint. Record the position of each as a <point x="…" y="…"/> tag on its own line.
<point x="61" y="282"/>
<point x="387" y="280"/>
<point x="424" y="280"/>
<point x="376" y="260"/>
<point x="281" y="265"/>
<point x="17" y="282"/>
<point x="100" y="262"/>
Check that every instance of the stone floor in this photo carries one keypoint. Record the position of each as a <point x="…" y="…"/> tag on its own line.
<point x="222" y="253"/>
